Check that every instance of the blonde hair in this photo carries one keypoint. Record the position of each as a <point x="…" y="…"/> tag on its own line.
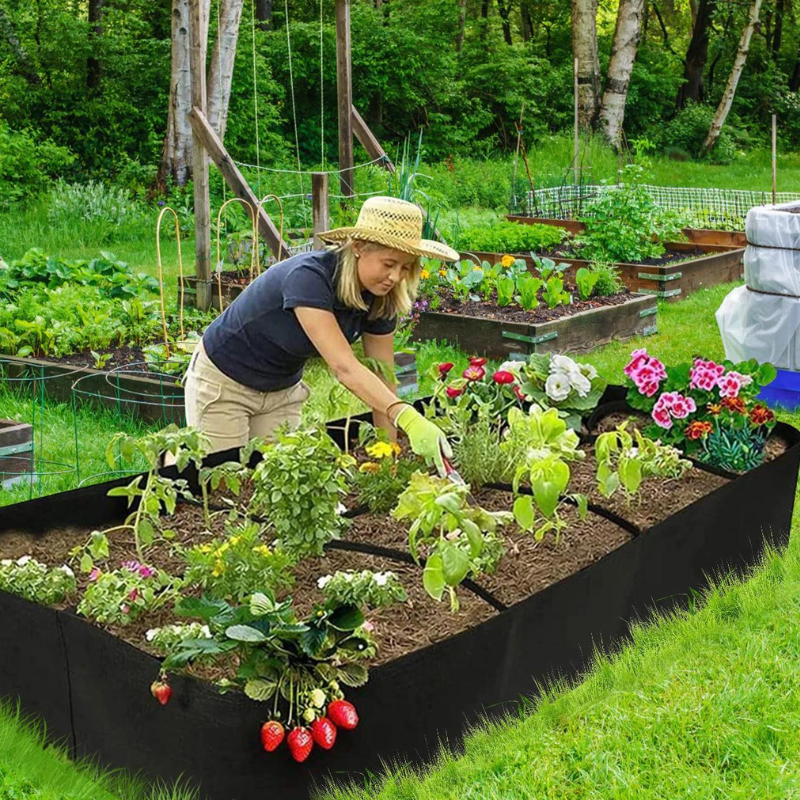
<point x="396" y="304"/>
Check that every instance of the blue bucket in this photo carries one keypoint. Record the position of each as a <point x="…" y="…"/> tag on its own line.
<point x="783" y="392"/>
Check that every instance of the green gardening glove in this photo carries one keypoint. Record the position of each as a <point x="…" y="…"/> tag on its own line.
<point x="426" y="438"/>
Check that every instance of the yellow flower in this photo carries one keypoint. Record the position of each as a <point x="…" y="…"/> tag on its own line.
<point x="262" y="550"/>
<point x="507" y="261"/>
<point x="396" y="448"/>
<point x="235" y="540"/>
<point x="369" y="466"/>
<point x="443" y="273"/>
<point x="219" y="568"/>
<point x="221" y="549"/>
<point x="424" y="275"/>
<point x="205" y="548"/>
<point x="381" y="450"/>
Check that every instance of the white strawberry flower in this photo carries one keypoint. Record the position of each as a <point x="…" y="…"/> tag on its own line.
<point x="152" y="633"/>
<point x="67" y="571"/>
<point x="24" y="560"/>
<point x="324" y="581"/>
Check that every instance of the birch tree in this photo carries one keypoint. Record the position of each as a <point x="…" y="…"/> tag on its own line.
<point x="584" y="50"/>
<point x="176" y="155"/>
<point x="733" y="80"/>
<point x="627" y="34"/>
<point x="222" y="60"/>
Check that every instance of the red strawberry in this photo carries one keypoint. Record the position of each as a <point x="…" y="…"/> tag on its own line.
<point x="272" y="734"/>
<point x="323" y="732"/>
<point x="343" y="714"/>
<point x="300" y="744"/>
<point x="162" y="691"/>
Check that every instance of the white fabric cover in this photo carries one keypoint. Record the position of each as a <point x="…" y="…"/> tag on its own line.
<point x="763" y="326"/>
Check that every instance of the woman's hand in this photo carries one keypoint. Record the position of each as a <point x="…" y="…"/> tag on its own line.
<point x="425" y="437"/>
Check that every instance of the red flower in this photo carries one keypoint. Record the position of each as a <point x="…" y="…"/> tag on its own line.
<point x="697" y="430"/>
<point x="445" y="367"/>
<point x="475" y="361"/>
<point x="453" y="392"/>
<point x="520" y="394"/>
<point x="735" y="404"/>
<point x="474" y="372"/>
<point x="503" y="377"/>
<point x="761" y="415"/>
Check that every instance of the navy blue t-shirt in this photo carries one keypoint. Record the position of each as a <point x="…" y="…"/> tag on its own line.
<point x="258" y="341"/>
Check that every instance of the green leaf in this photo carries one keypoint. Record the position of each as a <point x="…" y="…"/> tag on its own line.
<point x="433" y="577"/>
<point x="147" y="533"/>
<point x="524" y="513"/>
<point x="260" y="689"/>
<point x="86" y="563"/>
<point x="261" y="604"/>
<point x="202" y="607"/>
<point x="455" y="564"/>
<point x="313" y="640"/>
<point x="346" y="618"/>
<point x="353" y="675"/>
<point x="245" y="633"/>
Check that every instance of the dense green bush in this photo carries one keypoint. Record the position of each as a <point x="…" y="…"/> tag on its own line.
<point x="686" y="132"/>
<point x="510" y="237"/>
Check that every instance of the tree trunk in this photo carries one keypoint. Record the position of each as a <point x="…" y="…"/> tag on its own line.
<point x="176" y="155"/>
<point x="584" y="49"/>
<point x="504" y="7"/>
<point x="527" y="23"/>
<point x="264" y="14"/>
<point x="221" y="70"/>
<point x="696" y="55"/>
<point x="462" y="22"/>
<point x="777" y="36"/>
<point x="23" y="63"/>
<point x="736" y="72"/>
<point x="93" y="63"/>
<point x="627" y="33"/>
<point x="794" y="81"/>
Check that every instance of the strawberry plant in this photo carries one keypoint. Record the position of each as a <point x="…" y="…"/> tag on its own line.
<point x="459" y="539"/>
<point x="625" y="460"/>
<point x="298" y="486"/>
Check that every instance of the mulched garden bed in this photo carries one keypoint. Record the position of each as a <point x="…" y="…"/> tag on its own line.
<point x="119" y="356"/>
<point x="513" y="313"/>
<point x="667" y="259"/>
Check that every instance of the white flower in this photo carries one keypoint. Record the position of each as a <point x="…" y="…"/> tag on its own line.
<point x="206" y="631"/>
<point x="557" y="386"/>
<point x="382" y="578"/>
<point x="514" y="367"/>
<point x="67" y="571"/>
<point x="152" y="633"/>
<point x="24" y="560"/>
<point x="324" y="581"/>
<point x="581" y="384"/>
<point x="562" y="364"/>
<point x="6" y="562"/>
<point x="632" y="452"/>
<point x="589" y="371"/>
<point x="341" y="508"/>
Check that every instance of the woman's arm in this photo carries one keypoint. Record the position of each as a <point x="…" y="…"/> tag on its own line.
<point x="325" y="334"/>
<point x="381" y="348"/>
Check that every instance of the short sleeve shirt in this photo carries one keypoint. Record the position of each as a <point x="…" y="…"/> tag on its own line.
<point x="259" y="342"/>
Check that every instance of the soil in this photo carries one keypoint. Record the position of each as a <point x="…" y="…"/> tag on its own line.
<point x="530" y="566"/>
<point x="657" y="499"/>
<point x="669" y="257"/>
<point x="120" y="356"/>
<point x="513" y="313"/>
<point x="233" y="277"/>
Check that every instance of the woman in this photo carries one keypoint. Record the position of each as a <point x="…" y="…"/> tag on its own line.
<point x="245" y="378"/>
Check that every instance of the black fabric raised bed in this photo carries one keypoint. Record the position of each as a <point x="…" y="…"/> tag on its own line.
<point x="97" y="686"/>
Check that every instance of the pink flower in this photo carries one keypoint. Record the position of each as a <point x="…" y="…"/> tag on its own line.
<point x="646" y="372"/>
<point x="662" y="418"/>
<point x="638" y="357"/>
<point x="94" y="574"/>
<point x="477" y="361"/>
<point x="147" y="572"/>
<point x="705" y="374"/>
<point x="503" y="377"/>
<point x="131" y="566"/>
<point x="648" y="389"/>
<point x="730" y="384"/>
<point x="125" y="608"/>
<point x="369" y="626"/>
<point x="682" y="407"/>
<point x="453" y="392"/>
<point x="445" y="367"/>
<point x="474" y="373"/>
<point x="133" y="595"/>
<point x="520" y="394"/>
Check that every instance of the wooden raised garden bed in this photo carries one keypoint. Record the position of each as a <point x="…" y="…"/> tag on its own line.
<point x="737" y="239"/>
<point x="577" y="333"/>
<point x="521" y="627"/>
<point x="16" y="452"/>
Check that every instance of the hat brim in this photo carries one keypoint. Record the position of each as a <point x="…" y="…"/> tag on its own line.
<point x="420" y="247"/>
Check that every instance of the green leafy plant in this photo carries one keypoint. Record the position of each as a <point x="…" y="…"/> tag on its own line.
<point x="459" y="539"/>
<point x="554" y="294"/>
<point x="625" y="460"/>
<point x="238" y="565"/>
<point x="35" y="581"/>
<point x="528" y="288"/>
<point x="380" y="481"/>
<point x="298" y="486"/>
<point x="586" y="280"/>
<point x="153" y="491"/>
<point x="511" y="237"/>
<point x="608" y="278"/>
<point x="366" y="589"/>
<point x="505" y="285"/>
<point x="537" y="434"/>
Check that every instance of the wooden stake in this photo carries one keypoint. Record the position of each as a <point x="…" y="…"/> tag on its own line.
<point x="774" y="159"/>
<point x="344" y="91"/>
<point x="198" y="38"/>
<point x="516" y="159"/>
<point x="369" y="141"/>
<point x="321" y="210"/>
<point x="576" y="144"/>
<point x="211" y="142"/>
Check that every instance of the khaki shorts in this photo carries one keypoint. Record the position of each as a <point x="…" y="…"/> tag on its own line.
<point x="231" y="414"/>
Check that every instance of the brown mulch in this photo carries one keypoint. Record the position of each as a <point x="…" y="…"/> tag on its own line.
<point x="530" y="566"/>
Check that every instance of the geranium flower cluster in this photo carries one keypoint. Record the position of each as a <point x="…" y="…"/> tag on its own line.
<point x="671" y="406"/>
<point x="646" y="372"/>
<point x="708" y="376"/>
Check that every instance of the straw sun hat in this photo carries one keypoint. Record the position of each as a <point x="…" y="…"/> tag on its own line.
<point x="394" y="223"/>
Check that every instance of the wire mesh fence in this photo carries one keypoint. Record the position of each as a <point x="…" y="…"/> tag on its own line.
<point x="702" y="207"/>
